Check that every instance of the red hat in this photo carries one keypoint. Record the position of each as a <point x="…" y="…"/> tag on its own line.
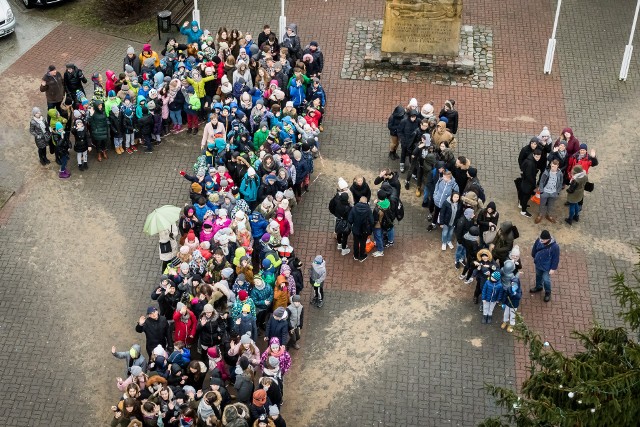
<point x="243" y="295"/>
<point x="191" y="235"/>
<point x="146" y="48"/>
<point x="212" y="352"/>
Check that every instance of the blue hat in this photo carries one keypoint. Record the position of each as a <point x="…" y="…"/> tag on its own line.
<point x="266" y="263"/>
<point x="496" y="275"/>
<point x="233" y="105"/>
<point x="190" y="89"/>
<point x="444" y="119"/>
<point x="59" y="126"/>
<point x="151" y="309"/>
<point x="217" y="105"/>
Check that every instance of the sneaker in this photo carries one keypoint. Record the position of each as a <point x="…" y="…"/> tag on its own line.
<point x="547" y="297"/>
<point x="504" y="325"/>
<point x="364" y="258"/>
<point x="296" y="346"/>
<point x="526" y="213"/>
<point x="462" y="276"/>
<point x="444" y="246"/>
<point x="401" y="167"/>
<point x="484" y="320"/>
<point x="345" y="251"/>
<point x="457" y="265"/>
<point x="519" y="205"/>
<point x="134" y="148"/>
<point x="148" y="151"/>
<point x="418" y="192"/>
<point x="388" y="244"/>
<point x="450" y="245"/>
<point x="407" y="184"/>
<point x="431" y="227"/>
<point x="568" y="221"/>
<point x="376" y="254"/>
<point x="509" y="328"/>
<point x="320" y="303"/>
<point x="489" y="319"/>
<point x="469" y="281"/>
<point x="355" y="259"/>
<point x="129" y="151"/>
<point x="535" y="290"/>
<point x="339" y="246"/>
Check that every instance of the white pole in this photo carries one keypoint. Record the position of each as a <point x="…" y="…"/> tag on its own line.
<point x="551" y="46"/>
<point x="196" y="13"/>
<point x="283" y="21"/>
<point x="628" y="50"/>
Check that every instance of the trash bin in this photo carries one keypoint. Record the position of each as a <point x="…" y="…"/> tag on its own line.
<point x="164" y="22"/>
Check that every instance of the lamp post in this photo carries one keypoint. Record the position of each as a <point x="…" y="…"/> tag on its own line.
<point x="551" y="47"/>
<point x="196" y="13"/>
<point x="628" y="50"/>
<point x="283" y="21"/>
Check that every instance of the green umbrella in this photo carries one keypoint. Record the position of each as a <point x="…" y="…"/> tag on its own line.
<point x="161" y="218"/>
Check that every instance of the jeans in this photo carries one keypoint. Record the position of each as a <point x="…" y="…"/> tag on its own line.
<point x="461" y="252"/>
<point x="377" y="235"/>
<point x="546" y="203"/>
<point x="543" y="279"/>
<point x="447" y="232"/>
<point x="117" y="142"/>
<point x="82" y="157"/>
<point x="63" y="162"/>
<point x="574" y="210"/>
<point x="176" y="117"/>
<point x="129" y="139"/>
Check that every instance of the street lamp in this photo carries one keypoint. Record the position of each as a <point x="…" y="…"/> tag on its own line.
<point x="196" y="13"/>
<point x="283" y="21"/>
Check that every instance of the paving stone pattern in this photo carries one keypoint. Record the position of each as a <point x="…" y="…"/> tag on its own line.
<point x="434" y="373"/>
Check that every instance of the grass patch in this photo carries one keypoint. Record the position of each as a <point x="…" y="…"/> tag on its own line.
<point x="91" y="14"/>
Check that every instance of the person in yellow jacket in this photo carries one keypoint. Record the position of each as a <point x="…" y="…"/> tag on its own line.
<point x="147" y="52"/>
<point x="197" y="82"/>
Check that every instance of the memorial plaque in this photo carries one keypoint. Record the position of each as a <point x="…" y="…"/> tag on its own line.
<point x="422" y="26"/>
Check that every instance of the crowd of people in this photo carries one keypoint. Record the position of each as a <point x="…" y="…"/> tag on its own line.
<point x="231" y="281"/>
<point x="226" y="310"/>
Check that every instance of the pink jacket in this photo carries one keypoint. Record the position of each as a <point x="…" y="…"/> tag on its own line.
<point x="210" y="132"/>
<point x="165" y="106"/>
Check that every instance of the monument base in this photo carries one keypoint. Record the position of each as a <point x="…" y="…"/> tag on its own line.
<point x="463" y="64"/>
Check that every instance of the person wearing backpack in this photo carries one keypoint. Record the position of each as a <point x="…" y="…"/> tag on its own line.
<point x="341" y="208"/>
<point x="383" y="223"/>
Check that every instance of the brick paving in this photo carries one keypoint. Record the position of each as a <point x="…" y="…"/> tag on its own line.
<point x="421" y="363"/>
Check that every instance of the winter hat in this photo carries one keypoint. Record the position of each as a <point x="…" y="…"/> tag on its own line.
<point x="259" y="397"/>
<point x="191" y="235"/>
<point x="515" y="252"/>
<point x="545" y="235"/>
<point x="146" y="48"/>
<point x="226" y="272"/>
<point x="184" y="250"/>
<point x="474" y="231"/>
<point x="151" y="105"/>
<point x="297" y="155"/>
<point x="384" y="204"/>
<point x="583" y="146"/>
<point x="273" y="410"/>
<point x="245" y="339"/>
<point x="246" y="308"/>
<point x="413" y="103"/>
<point x="278" y="312"/>
<point x="473" y="172"/>
<point x="135" y="370"/>
<point x="151" y="309"/>
<point x="274" y="362"/>
<point x="251" y="172"/>
<point x="296" y="298"/>
<point x="468" y="213"/>
<point x="318" y="259"/>
<point x="427" y="110"/>
<point x="509" y="267"/>
<point x="179" y="306"/>
<point x="342" y="184"/>
<point x="208" y="308"/>
<point x="243" y="295"/>
<point x="265" y="237"/>
<point x="212" y="352"/>
<point x="184" y="266"/>
<point x="545" y="132"/>
<point x="496" y="276"/>
<point x="130" y="50"/>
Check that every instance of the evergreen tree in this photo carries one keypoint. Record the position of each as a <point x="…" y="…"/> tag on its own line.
<point x="599" y="386"/>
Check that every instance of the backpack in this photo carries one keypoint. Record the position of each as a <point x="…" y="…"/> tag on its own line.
<point x="332" y="205"/>
<point x="399" y="211"/>
<point x="515" y="232"/>
<point x="386" y="223"/>
<point x="201" y="162"/>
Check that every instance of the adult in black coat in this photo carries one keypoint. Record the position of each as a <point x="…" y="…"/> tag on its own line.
<point x="132" y="60"/>
<point x="392" y="124"/>
<point x="278" y="327"/>
<point x="460" y="170"/>
<point x="528" y="180"/>
<point x="527" y="150"/>
<point x="391" y="178"/>
<point x="451" y="114"/>
<point x="73" y="80"/>
<point x="341" y="209"/>
<point x="156" y="329"/>
<point x="361" y="220"/>
<point x="406" y="133"/>
<point x="360" y="188"/>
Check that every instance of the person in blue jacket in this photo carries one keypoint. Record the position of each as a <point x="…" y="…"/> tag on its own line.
<point x="492" y="292"/>
<point x="511" y="296"/>
<point x="193" y="34"/>
<point x="298" y="94"/>
<point x="249" y="188"/>
<point x="546" y="257"/>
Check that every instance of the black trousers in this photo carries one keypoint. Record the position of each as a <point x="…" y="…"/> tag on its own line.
<point x="359" y="245"/>
<point x="42" y="154"/>
<point x="342" y="239"/>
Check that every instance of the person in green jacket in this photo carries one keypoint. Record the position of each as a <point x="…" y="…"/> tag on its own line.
<point x="112" y="101"/>
<point x="260" y="136"/>
<point x="192" y="107"/>
<point x="306" y="81"/>
<point x="99" y="127"/>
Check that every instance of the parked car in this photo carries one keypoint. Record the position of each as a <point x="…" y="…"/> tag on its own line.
<point x="7" y="20"/>
<point x="31" y="3"/>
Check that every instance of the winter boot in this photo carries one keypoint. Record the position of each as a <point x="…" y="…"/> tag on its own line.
<point x="104" y="154"/>
<point x="99" y="156"/>
<point x="86" y="165"/>
<point x="195" y="131"/>
<point x="484" y="319"/>
<point x="189" y="131"/>
<point x="489" y="319"/>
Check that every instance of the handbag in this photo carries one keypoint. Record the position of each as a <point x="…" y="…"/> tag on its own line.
<point x="370" y="245"/>
<point x="536" y="198"/>
<point x="489" y="236"/>
<point x="589" y="186"/>
<point x="165" y="247"/>
<point x="342" y="226"/>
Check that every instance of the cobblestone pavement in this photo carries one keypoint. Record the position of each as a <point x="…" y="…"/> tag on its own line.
<point x="398" y="341"/>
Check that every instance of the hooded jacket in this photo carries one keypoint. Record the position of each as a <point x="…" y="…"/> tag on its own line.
<point x="361" y="219"/>
<point x="192" y="36"/>
<point x="573" y="144"/>
<point x="99" y="123"/>
<point x="394" y="120"/>
<point x="73" y="80"/>
<point x="130" y="361"/>
<point x="503" y="243"/>
<point x="546" y="257"/>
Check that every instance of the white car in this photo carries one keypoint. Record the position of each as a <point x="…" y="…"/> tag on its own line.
<point x="7" y="20"/>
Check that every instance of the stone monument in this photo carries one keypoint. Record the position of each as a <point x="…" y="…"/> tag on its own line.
<point x="425" y="27"/>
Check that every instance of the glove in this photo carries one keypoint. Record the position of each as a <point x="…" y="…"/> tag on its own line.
<point x="183" y="173"/>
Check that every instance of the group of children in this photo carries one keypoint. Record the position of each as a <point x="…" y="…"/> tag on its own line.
<point x="231" y="279"/>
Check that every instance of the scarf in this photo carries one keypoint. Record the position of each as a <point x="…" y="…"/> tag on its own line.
<point x="579" y="175"/>
<point x="40" y="121"/>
